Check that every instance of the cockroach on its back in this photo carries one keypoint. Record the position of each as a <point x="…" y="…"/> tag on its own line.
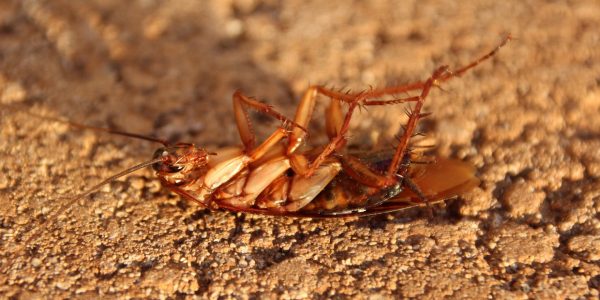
<point x="282" y="176"/>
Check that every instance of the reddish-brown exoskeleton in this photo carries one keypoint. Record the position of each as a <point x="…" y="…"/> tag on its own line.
<point x="283" y="176"/>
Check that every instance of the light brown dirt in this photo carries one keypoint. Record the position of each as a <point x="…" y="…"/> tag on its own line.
<point x="528" y="120"/>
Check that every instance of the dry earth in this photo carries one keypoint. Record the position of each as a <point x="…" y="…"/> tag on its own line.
<point x="528" y="120"/>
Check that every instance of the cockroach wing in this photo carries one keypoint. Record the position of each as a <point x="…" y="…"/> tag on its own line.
<point x="439" y="181"/>
<point x="443" y="179"/>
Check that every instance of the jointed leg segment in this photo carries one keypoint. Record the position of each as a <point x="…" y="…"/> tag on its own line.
<point x="241" y="103"/>
<point x="394" y="90"/>
<point x="337" y="127"/>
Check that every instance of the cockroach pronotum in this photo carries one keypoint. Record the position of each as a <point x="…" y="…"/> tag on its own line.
<point x="283" y="176"/>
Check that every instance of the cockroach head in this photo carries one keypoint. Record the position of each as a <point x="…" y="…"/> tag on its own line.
<point x="180" y="162"/>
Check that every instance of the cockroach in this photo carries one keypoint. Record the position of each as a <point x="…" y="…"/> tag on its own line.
<point x="283" y="176"/>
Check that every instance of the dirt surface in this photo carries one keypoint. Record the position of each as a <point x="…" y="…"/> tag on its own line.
<point x="528" y="120"/>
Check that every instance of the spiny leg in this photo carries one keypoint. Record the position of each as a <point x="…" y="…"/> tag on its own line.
<point x="241" y="103"/>
<point x="440" y="75"/>
<point x="336" y="126"/>
<point x="333" y="114"/>
<point x="333" y="117"/>
<point x="393" y="90"/>
<point x="399" y="165"/>
<point x="356" y="169"/>
<point x="415" y="115"/>
<point x="353" y="166"/>
<point x="362" y="173"/>
<point x="300" y="163"/>
<point x="333" y="120"/>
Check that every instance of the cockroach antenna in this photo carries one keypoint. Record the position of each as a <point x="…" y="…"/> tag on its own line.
<point x="70" y="200"/>
<point x="18" y="108"/>
<point x="116" y="176"/>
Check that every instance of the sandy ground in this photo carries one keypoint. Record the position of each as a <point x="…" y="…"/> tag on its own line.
<point x="528" y="120"/>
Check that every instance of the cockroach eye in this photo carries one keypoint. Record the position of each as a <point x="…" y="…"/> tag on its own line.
<point x="159" y="166"/>
<point x="160" y="152"/>
<point x="162" y="166"/>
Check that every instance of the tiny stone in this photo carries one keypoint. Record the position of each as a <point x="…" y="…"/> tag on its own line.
<point x="63" y="285"/>
<point x="121" y="214"/>
<point x="234" y="28"/>
<point x="13" y="92"/>
<point x="45" y="210"/>
<point x="4" y="181"/>
<point x="137" y="183"/>
<point x="36" y="262"/>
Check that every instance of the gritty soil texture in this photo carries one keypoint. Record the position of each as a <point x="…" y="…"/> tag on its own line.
<point x="528" y="119"/>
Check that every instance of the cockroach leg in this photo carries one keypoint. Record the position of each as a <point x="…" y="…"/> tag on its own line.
<point x="415" y="189"/>
<point x="399" y="89"/>
<point x="241" y="103"/>
<point x="461" y="70"/>
<point x="334" y="118"/>
<point x="303" y="115"/>
<point x="268" y="144"/>
<point x="412" y="123"/>
<point x="362" y="173"/>
<point x="183" y="193"/>
<point x="337" y="125"/>
<point x="440" y="75"/>
<point x="338" y="141"/>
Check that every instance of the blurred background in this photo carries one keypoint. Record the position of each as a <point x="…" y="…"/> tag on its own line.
<point x="527" y="119"/>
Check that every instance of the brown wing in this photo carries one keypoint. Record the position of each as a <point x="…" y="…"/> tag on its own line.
<point x="446" y="178"/>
